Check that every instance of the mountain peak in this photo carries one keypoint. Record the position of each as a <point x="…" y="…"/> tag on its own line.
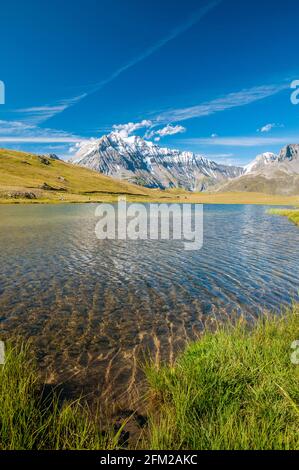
<point x="267" y="163"/>
<point x="289" y="152"/>
<point x="260" y="161"/>
<point x="140" y="161"/>
<point x="143" y="162"/>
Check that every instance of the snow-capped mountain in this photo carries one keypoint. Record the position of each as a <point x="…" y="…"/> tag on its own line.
<point x="269" y="173"/>
<point x="260" y="161"/>
<point x="143" y="162"/>
<point x="267" y="163"/>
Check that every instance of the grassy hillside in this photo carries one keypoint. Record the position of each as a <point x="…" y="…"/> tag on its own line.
<point x="28" y="178"/>
<point x="31" y="177"/>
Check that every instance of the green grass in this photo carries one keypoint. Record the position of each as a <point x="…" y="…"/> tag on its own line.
<point x="233" y="389"/>
<point x="292" y="215"/>
<point x="29" y="421"/>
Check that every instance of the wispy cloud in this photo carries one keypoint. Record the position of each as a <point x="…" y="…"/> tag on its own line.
<point x="35" y="115"/>
<point x="242" y="141"/>
<point x="222" y="158"/>
<point x="219" y="155"/>
<point x="269" y="127"/>
<point x="20" y="132"/>
<point x="40" y="140"/>
<point x="232" y="100"/>
<point x="40" y="114"/>
<point x="229" y="101"/>
<point x="26" y="129"/>
<point x="194" y="18"/>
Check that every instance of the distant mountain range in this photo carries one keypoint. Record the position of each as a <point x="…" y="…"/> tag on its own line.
<point x="142" y="162"/>
<point x="269" y="173"/>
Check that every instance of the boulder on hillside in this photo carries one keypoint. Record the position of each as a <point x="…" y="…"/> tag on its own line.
<point x="48" y="187"/>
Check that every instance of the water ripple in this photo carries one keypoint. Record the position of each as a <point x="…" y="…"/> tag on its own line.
<point x="93" y="308"/>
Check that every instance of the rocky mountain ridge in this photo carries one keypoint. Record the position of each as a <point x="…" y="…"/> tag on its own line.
<point x="143" y="162"/>
<point x="140" y="161"/>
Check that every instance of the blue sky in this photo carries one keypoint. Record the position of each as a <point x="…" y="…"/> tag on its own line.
<point x="211" y="76"/>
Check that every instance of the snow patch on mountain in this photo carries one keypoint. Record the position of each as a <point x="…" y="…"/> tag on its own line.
<point x="144" y="162"/>
<point x="260" y="161"/>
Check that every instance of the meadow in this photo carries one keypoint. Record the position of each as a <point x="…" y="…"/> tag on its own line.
<point x="32" y="179"/>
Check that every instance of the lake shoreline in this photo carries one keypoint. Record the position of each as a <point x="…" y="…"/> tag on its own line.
<point x="245" y="198"/>
<point x="91" y="307"/>
<point x="292" y="215"/>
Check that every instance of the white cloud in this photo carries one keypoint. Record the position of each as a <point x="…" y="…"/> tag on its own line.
<point x="42" y="113"/>
<point x="269" y="127"/>
<point x="167" y="130"/>
<point x="16" y="131"/>
<point x="232" y="100"/>
<point x="39" y="114"/>
<point x="39" y="140"/>
<point x="219" y="155"/>
<point x="224" y="158"/>
<point x="124" y="130"/>
<point x="170" y="130"/>
<point x="242" y="141"/>
<point x="14" y="127"/>
<point x="149" y="134"/>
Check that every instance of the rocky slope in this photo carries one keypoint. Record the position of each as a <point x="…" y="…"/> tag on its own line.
<point x="140" y="161"/>
<point x="260" y="162"/>
<point x="269" y="173"/>
<point x="143" y="162"/>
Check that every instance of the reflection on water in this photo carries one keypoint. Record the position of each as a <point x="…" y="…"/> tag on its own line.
<point x="94" y="307"/>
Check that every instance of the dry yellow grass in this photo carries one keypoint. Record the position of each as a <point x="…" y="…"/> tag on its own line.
<point x="22" y="174"/>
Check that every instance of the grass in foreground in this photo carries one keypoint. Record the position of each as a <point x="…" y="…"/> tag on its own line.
<point x="292" y="215"/>
<point x="30" y="422"/>
<point x="234" y="389"/>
